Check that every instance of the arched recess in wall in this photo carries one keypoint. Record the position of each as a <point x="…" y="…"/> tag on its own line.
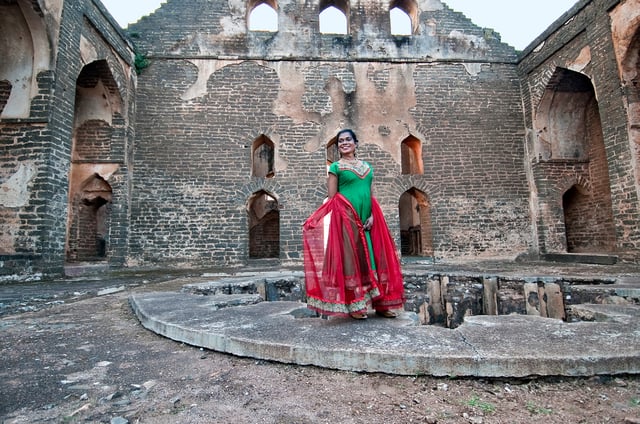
<point x="403" y="17"/>
<point x="631" y="81"/>
<point x="334" y="17"/>
<point x="263" y="15"/>
<point x="264" y="226"/>
<point x="263" y="157"/>
<point x="571" y="142"/>
<point x="416" y="232"/>
<point x="89" y="226"/>
<point x="575" y="202"/>
<point x="97" y="103"/>
<point x="411" y="154"/>
<point x="25" y="52"/>
<point x="332" y="151"/>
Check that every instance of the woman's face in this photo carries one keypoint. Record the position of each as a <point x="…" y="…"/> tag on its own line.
<point x="346" y="143"/>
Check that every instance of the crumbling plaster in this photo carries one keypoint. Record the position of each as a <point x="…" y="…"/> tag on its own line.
<point x="380" y="96"/>
<point x="625" y="21"/>
<point x="80" y="173"/>
<point x="14" y="192"/>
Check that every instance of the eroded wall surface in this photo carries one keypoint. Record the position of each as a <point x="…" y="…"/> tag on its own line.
<point x="213" y="87"/>
<point x="582" y="55"/>
<point x="45" y="46"/>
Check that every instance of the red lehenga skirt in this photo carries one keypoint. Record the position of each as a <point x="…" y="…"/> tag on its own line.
<point x="339" y="277"/>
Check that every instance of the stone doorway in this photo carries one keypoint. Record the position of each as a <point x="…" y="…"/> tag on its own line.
<point x="264" y="226"/>
<point x="98" y="131"/>
<point x="572" y="169"/>
<point x="88" y="231"/>
<point x="416" y="238"/>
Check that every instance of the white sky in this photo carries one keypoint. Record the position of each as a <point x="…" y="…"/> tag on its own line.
<point x="519" y="22"/>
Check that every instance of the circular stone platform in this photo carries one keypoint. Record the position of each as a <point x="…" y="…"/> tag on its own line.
<point x="483" y="346"/>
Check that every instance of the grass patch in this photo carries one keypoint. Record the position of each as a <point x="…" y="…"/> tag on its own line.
<point x="476" y="402"/>
<point x="538" y="410"/>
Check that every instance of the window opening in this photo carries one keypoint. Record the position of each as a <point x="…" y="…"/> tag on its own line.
<point x="411" y="152"/>
<point x="263" y="18"/>
<point x="416" y="232"/>
<point x="400" y="22"/>
<point x="263" y="157"/>
<point x="333" y="21"/>
<point x="264" y="226"/>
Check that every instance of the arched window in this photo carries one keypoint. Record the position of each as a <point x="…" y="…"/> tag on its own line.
<point x="264" y="226"/>
<point x="411" y="151"/>
<point x="403" y="17"/>
<point x="400" y="22"/>
<point x="263" y="17"/>
<point x="263" y="157"/>
<point x="333" y="21"/>
<point x="332" y="151"/>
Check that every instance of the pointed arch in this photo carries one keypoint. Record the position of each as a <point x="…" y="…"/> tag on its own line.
<point x="25" y="51"/>
<point x="570" y="146"/>
<point x="264" y="225"/>
<point x="263" y="157"/>
<point x="334" y="17"/>
<point x="332" y="151"/>
<point x="630" y="70"/>
<point x="97" y="102"/>
<point x="87" y="235"/>
<point x="416" y="231"/>
<point x="581" y="221"/>
<point x="561" y="119"/>
<point x="411" y="155"/>
<point x="403" y="17"/>
<point x="263" y="16"/>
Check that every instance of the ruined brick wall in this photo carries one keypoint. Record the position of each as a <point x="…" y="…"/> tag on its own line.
<point x="36" y="141"/>
<point x="582" y="42"/>
<point x="213" y="88"/>
<point x="485" y="185"/>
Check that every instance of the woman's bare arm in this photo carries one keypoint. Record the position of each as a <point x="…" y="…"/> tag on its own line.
<point x="332" y="185"/>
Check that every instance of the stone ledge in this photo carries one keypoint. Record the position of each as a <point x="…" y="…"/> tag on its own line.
<point x="484" y="346"/>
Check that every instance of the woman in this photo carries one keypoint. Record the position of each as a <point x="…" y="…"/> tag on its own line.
<point x="351" y="262"/>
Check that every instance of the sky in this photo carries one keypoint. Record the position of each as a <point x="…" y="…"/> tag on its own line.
<point x="518" y="22"/>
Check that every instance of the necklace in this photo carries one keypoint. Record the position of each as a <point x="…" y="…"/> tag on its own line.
<point x="355" y="165"/>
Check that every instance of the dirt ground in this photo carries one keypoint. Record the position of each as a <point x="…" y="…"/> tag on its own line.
<point x="89" y="360"/>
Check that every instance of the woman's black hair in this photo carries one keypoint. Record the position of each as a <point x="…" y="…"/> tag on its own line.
<point x="347" y="130"/>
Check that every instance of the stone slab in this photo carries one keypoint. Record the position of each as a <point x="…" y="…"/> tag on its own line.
<point x="483" y="346"/>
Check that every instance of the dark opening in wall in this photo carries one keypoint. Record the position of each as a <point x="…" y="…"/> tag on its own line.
<point x="264" y="226"/>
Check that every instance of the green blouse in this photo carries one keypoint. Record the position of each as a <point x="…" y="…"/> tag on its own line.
<point x="354" y="183"/>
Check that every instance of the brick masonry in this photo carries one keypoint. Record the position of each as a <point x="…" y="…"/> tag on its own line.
<point x="172" y="149"/>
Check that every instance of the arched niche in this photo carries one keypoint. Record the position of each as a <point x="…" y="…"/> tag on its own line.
<point x="411" y="155"/>
<point x="89" y="221"/>
<point x="264" y="226"/>
<point x="263" y="157"/>
<point x="630" y="71"/>
<point x="561" y="119"/>
<point x="416" y="232"/>
<point x="332" y="151"/>
<point x="588" y="228"/>
<point x="97" y="102"/>
<point x="25" y="52"/>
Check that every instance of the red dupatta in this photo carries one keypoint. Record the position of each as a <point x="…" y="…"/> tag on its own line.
<point x="338" y="273"/>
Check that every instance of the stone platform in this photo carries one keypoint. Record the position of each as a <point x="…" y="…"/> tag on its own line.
<point x="607" y="341"/>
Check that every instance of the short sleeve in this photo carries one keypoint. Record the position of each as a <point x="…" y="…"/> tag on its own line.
<point x="334" y="168"/>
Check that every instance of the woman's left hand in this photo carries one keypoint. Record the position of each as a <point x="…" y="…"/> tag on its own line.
<point x="368" y="223"/>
